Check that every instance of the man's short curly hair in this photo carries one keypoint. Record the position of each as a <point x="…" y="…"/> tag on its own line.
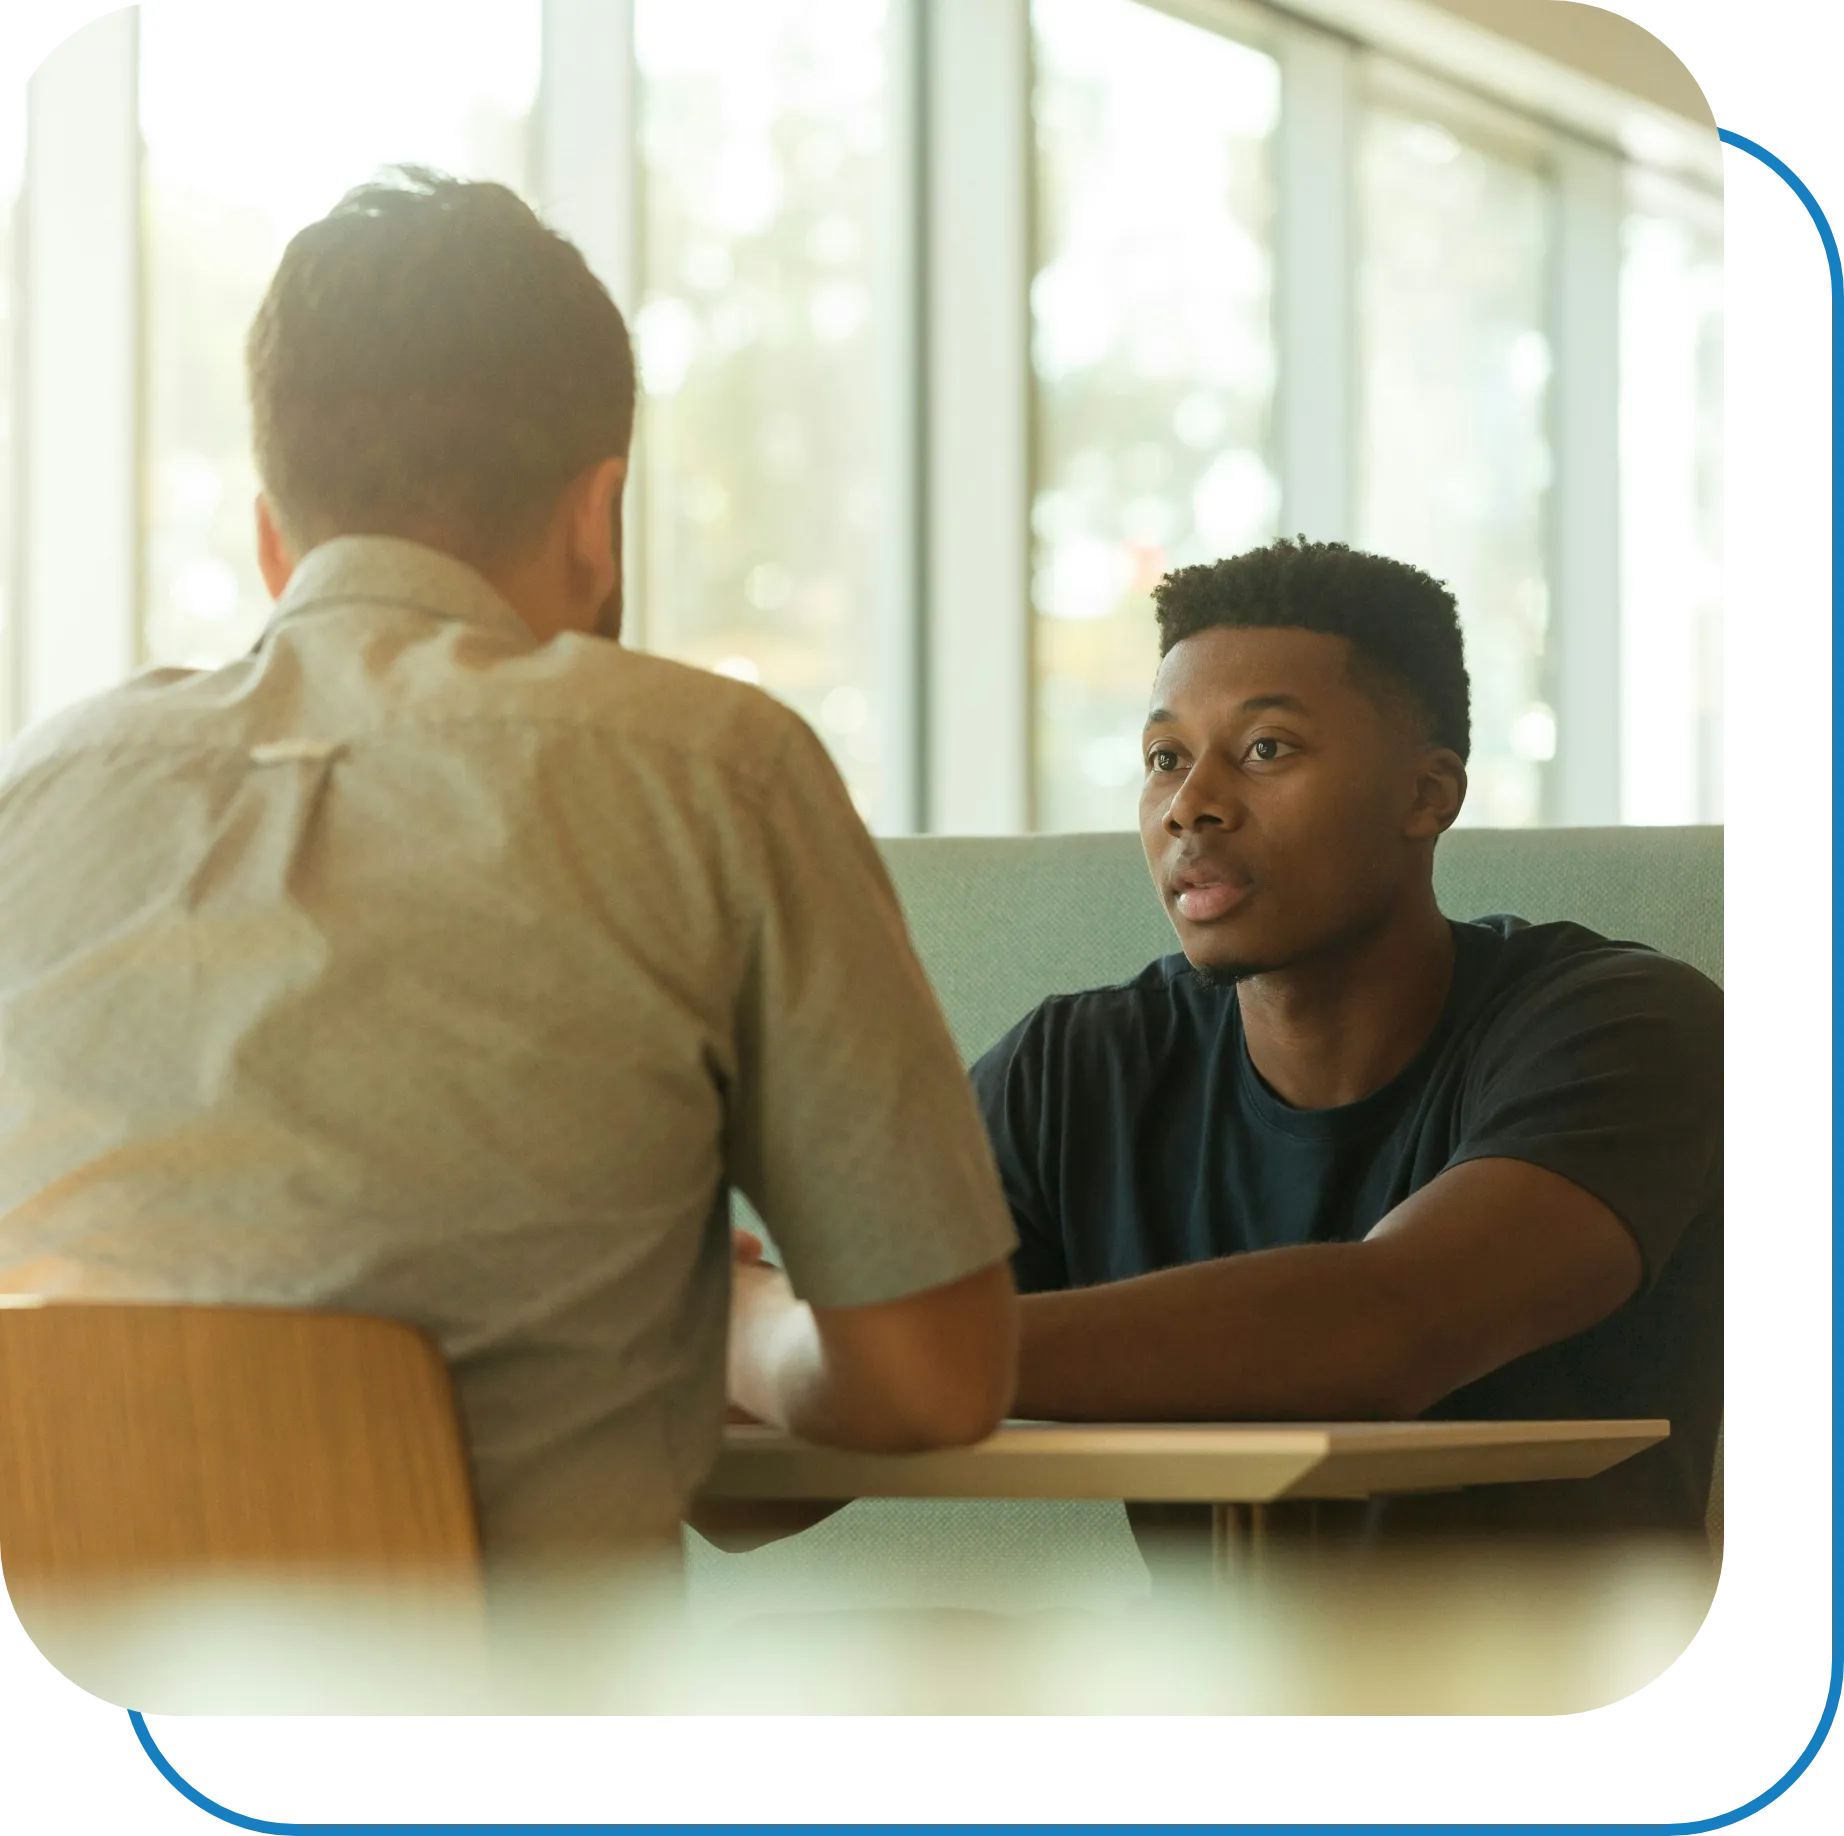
<point x="1402" y="625"/>
<point x="431" y="359"/>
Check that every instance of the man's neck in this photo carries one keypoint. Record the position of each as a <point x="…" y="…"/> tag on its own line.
<point x="1330" y="1031"/>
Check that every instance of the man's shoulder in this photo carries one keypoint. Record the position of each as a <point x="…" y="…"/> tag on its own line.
<point x="111" y="719"/>
<point x="1541" y="968"/>
<point x="1166" y="991"/>
<point x="629" y="701"/>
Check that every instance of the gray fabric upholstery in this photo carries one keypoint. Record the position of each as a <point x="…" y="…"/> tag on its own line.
<point x="1000" y="923"/>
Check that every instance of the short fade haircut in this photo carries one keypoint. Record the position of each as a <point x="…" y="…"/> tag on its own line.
<point x="1402" y="625"/>
<point x="431" y="361"/>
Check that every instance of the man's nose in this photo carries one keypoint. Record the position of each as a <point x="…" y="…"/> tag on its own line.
<point x="1208" y="798"/>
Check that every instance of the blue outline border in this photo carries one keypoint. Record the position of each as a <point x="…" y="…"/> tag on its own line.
<point x="1828" y="1709"/>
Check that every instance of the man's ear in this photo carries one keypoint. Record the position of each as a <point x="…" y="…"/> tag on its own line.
<point x="594" y="556"/>
<point x="1440" y="789"/>
<point x="274" y="559"/>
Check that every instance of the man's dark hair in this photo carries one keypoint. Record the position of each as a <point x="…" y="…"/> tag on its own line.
<point x="431" y="360"/>
<point x="1402" y="625"/>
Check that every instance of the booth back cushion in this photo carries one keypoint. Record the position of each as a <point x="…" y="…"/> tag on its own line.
<point x="1000" y="922"/>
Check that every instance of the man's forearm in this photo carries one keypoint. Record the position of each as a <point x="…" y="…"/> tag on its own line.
<point x="780" y="1372"/>
<point x="1315" y="1332"/>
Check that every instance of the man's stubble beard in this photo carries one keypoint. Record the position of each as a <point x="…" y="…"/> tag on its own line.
<point x="1227" y="975"/>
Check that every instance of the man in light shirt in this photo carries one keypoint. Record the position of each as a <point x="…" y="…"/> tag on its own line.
<point x="443" y="959"/>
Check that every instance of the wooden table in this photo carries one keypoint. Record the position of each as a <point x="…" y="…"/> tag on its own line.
<point x="1241" y="1470"/>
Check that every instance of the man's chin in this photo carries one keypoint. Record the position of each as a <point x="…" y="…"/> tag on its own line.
<point x="1228" y="974"/>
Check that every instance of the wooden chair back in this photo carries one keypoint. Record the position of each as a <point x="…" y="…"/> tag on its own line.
<point x="142" y="1444"/>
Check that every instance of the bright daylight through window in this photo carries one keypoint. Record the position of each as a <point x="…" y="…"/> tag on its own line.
<point x="1671" y="506"/>
<point x="12" y="177"/>
<point x="1202" y="223"/>
<point x="1453" y="453"/>
<point x="1154" y="358"/>
<point x="234" y="166"/>
<point x="762" y="508"/>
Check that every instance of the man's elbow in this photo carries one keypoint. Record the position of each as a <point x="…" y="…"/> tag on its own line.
<point x="937" y="1370"/>
<point x="968" y="1414"/>
<point x="955" y="1401"/>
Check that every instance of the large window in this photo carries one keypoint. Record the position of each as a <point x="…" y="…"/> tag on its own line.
<point x="1671" y="506"/>
<point x="1453" y="454"/>
<point x="959" y="323"/>
<point x="762" y="151"/>
<point x="255" y="119"/>
<point x="12" y="178"/>
<point x="1153" y="352"/>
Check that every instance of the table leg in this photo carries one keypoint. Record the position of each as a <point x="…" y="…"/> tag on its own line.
<point x="1238" y="1542"/>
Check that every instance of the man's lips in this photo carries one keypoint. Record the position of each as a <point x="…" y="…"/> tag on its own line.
<point x="1203" y="893"/>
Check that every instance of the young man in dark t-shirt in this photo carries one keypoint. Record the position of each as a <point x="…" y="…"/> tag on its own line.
<point x="1344" y="1158"/>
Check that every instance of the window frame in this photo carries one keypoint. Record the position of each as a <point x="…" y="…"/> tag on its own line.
<point x="953" y="620"/>
<point x="78" y="464"/>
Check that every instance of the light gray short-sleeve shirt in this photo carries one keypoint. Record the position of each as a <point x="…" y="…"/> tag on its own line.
<point x="407" y="966"/>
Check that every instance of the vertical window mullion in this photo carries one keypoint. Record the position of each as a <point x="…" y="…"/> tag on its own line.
<point x="900" y="646"/>
<point x="1315" y="308"/>
<point x="12" y="381"/>
<point x="588" y="184"/>
<point x="1583" y="780"/>
<point x="79" y="433"/>
<point x="979" y="404"/>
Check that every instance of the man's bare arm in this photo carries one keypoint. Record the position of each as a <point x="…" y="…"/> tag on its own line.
<point x="934" y="1369"/>
<point x="1491" y="1260"/>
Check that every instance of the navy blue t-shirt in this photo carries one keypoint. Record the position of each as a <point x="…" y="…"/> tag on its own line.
<point x="1133" y="1133"/>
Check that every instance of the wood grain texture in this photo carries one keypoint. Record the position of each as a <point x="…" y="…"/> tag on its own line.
<point x="141" y="1443"/>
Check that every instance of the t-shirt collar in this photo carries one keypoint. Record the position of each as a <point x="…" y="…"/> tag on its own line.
<point x="1384" y="1104"/>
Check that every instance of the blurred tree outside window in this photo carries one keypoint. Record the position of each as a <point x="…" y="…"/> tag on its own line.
<point x="255" y="120"/>
<point x="12" y="180"/>
<point x="1453" y="456"/>
<point x="767" y="210"/>
<point x="1153" y="353"/>
<point x="762" y="507"/>
<point x="1671" y="505"/>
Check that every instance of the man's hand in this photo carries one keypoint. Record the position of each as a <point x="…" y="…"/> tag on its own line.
<point x="739" y="1524"/>
<point x="747" y="1248"/>
<point x="762" y="1311"/>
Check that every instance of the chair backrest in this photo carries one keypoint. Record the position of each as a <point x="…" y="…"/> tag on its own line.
<point x="1001" y="922"/>
<point x="144" y="1443"/>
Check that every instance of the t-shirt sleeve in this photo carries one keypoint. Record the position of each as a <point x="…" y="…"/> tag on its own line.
<point x="1611" y="1076"/>
<point x="851" y="1127"/>
<point x="1011" y="1082"/>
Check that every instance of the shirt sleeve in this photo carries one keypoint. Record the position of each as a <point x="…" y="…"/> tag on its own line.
<point x="851" y="1127"/>
<point x="1610" y="1076"/>
<point x="1011" y="1084"/>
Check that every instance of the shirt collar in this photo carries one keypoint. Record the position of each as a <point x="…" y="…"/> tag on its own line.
<point x="386" y="570"/>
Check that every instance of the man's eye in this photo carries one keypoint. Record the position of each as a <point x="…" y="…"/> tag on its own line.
<point x="1268" y="756"/>
<point x="1162" y="758"/>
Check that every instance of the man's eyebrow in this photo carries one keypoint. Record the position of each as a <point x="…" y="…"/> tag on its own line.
<point x="1255" y="704"/>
